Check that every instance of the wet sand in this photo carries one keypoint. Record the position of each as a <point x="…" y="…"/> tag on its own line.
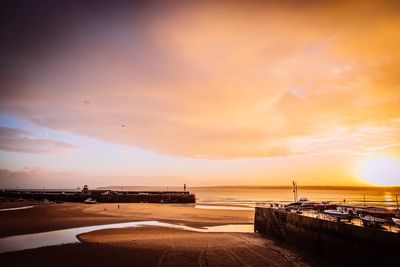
<point x="144" y="246"/>
<point x="50" y="217"/>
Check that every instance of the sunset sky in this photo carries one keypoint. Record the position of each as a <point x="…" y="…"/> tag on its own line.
<point x="166" y="93"/>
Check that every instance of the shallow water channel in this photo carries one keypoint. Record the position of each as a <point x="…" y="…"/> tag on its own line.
<point x="18" y="208"/>
<point x="67" y="236"/>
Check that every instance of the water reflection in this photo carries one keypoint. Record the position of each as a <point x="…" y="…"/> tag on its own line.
<point x="232" y="228"/>
<point x="211" y="207"/>
<point x="66" y="236"/>
<point x="19" y="208"/>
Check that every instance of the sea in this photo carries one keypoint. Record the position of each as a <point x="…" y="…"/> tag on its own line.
<point x="251" y="196"/>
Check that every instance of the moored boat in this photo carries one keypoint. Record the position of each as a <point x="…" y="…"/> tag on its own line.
<point x="339" y="214"/>
<point x="380" y="212"/>
<point x="46" y="201"/>
<point x="297" y="211"/>
<point x="371" y="221"/>
<point x="303" y="204"/>
<point x="324" y="206"/>
<point x="396" y="222"/>
<point x="90" y="201"/>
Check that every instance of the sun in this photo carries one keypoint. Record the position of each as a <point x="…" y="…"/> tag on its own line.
<point x="380" y="171"/>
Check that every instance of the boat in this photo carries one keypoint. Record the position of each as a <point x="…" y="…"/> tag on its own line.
<point x="371" y="221"/>
<point x="304" y="200"/>
<point x="46" y="201"/>
<point x="306" y="204"/>
<point x="339" y="214"/>
<point x="325" y="205"/>
<point x="380" y="212"/>
<point x="90" y="201"/>
<point x="348" y="209"/>
<point x="396" y="221"/>
<point x="296" y="211"/>
<point x="303" y="204"/>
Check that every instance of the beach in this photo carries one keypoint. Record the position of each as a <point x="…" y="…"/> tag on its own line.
<point x="145" y="245"/>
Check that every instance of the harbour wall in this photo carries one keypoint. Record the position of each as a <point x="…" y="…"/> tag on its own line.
<point x="341" y="243"/>
<point x="105" y="196"/>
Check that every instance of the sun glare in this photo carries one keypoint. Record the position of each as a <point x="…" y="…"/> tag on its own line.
<point x="382" y="171"/>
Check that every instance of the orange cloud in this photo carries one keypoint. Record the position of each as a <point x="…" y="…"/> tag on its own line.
<point x="237" y="81"/>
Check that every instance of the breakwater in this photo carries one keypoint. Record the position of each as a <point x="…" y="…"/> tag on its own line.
<point x="104" y="196"/>
<point x="343" y="244"/>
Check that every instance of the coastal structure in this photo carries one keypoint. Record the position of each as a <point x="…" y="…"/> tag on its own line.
<point x="342" y="243"/>
<point x="103" y="196"/>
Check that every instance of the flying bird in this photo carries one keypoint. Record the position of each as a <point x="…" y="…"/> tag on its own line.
<point x="122" y="125"/>
<point x="86" y="102"/>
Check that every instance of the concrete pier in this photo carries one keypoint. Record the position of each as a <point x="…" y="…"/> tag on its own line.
<point x="343" y="244"/>
<point x="104" y="196"/>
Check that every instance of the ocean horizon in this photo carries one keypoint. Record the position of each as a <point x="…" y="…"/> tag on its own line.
<point x="259" y="195"/>
<point x="251" y="196"/>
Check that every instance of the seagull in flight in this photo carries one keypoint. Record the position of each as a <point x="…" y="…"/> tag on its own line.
<point x="86" y="102"/>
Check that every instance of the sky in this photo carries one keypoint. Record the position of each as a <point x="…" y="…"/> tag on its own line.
<point x="205" y="93"/>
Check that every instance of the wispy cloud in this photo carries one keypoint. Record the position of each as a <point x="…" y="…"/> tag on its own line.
<point x="17" y="140"/>
<point x="353" y="141"/>
<point x="34" y="177"/>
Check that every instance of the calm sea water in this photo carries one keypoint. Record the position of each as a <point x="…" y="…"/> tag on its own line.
<point x="251" y="196"/>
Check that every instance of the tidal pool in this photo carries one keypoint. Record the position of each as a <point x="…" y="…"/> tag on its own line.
<point x="67" y="236"/>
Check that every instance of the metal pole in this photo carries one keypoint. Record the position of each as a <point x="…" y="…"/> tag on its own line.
<point x="294" y="191"/>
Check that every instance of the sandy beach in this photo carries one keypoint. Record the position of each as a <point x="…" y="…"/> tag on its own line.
<point x="43" y="218"/>
<point x="147" y="245"/>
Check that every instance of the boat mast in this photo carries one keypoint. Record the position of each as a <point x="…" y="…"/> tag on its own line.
<point x="294" y="191"/>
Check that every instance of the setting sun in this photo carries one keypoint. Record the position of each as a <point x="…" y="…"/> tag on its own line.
<point x="382" y="171"/>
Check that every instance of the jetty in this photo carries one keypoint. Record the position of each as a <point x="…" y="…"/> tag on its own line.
<point x="103" y="196"/>
<point x="343" y="243"/>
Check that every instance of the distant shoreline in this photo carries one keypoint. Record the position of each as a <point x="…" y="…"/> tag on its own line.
<point x="261" y="187"/>
<point x="172" y="188"/>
